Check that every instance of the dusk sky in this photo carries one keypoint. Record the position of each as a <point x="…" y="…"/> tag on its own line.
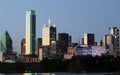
<point x="75" y="17"/>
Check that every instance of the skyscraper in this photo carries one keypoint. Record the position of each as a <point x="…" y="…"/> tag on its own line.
<point x="114" y="33"/>
<point x="111" y="41"/>
<point x="30" y="32"/>
<point x="48" y="34"/>
<point x="106" y="40"/>
<point x="88" y="39"/>
<point x="6" y="42"/>
<point x="63" y="38"/>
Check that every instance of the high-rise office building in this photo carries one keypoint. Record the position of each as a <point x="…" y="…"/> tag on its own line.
<point x="48" y="34"/>
<point x="23" y="42"/>
<point x="114" y="33"/>
<point x="69" y="40"/>
<point x="63" y="38"/>
<point x="6" y="42"/>
<point x="106" y="40"/>
<point x="88" y="39"/>
<point x="53" y="50"/>
<point x="30" y="32"/>
<point x="107" y="43"/>
<point x="38" y="45"/>
<point x="111" y="41"/>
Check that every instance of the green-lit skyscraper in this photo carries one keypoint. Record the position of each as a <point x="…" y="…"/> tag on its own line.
<point x="6" y="42"/>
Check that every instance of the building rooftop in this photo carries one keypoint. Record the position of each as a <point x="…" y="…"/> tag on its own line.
<point x="49" y="24"/>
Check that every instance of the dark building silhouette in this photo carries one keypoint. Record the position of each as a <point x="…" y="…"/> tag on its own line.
<point x="63" y="42"/>
<point x="38" y="44"/>
<point x="69" y="40"/>
<point x="23" y="46"/>
<point x="82" y="41"/>
<point x="53" y="50"/>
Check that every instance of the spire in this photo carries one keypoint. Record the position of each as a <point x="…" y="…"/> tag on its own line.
<point x="49" y="22"/>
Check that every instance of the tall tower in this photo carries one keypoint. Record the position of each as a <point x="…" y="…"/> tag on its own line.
<point x="114" y="33"/>
<point x="63" y="38"/>
<point x="48" y="34"/>
<point x="30" y="32"/>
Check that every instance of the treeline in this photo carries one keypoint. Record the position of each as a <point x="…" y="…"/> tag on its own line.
<point x="76" y="64"/>
<point x="82" y="64"/>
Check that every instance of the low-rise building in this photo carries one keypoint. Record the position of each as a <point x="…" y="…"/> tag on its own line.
<point x="70" y="53"/>
<point x="30" y="58"/>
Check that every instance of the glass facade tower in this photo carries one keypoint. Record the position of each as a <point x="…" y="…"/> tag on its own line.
<point x="6" y="42"/>
<point x="30" y="32"/>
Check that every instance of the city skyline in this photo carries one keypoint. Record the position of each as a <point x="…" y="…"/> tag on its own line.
<point x="73" y="17"/>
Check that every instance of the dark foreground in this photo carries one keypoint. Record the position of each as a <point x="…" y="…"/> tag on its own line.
<point x="75" y="65"/>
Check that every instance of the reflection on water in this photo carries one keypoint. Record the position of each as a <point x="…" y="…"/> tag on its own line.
<point x="29" y="74"/>
<point x="45" y="73"/>
<point x="38" y="74"/>
<point x="71" y="74"/>
<point x="61" y="74"/>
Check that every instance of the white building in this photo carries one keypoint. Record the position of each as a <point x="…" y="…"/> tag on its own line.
<point x="48" y="34"/>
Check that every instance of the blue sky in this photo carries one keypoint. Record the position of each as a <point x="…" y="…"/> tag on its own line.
<point x="75" y="17"/>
